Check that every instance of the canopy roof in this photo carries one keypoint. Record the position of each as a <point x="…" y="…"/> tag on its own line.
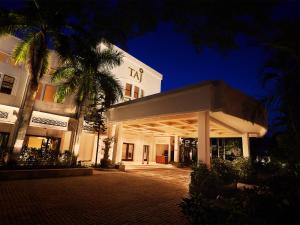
<point x="231" y="112"/>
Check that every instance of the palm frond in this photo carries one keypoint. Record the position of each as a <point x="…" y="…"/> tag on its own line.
<point x="22" y="49"/>
<point x="109" y="86"/>
<point x="108" y="58"/>
<point x="62" y="73"/>
<point x="65" y="89"/>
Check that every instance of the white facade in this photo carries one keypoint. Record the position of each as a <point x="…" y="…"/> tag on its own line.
<point x="136" y="73"/>
<point x="52" y="119"/>
<point x="146" y="130"/>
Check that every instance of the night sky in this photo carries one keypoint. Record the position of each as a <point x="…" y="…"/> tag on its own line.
<point x="171" y="54"/>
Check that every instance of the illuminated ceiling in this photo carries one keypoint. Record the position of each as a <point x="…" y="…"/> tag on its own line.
<point x="186" y="125"/>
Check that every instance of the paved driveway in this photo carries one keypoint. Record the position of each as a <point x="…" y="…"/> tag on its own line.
<point x="134" y="197"/>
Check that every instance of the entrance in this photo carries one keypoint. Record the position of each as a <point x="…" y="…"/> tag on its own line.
<point x="146" y="154"/>
<point x="42" y="143"/>
<point x="3" y="143"/>
<point x="127" y="152"/>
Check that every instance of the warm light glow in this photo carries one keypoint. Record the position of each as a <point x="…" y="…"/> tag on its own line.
<point x="76" y="149"/>
<point x="18" y="145"/>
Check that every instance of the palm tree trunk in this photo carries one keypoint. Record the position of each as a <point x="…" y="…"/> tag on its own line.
<point x="25" y="116"/>
<point x="79" y="129"/>
<point x="97" y="150"/>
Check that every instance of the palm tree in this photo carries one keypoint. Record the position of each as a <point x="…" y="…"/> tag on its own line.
<point x="39" y="24"/>
<point x="87" y="77"/>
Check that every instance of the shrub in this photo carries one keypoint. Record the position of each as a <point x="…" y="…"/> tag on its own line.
<point x="225" y="170"/>
<point x="205" y="181"/>
<point x="201" y="209"/>
<point x="244" y="170"/>
<point x="105" y="163"/>
<point x="276" y="201"/>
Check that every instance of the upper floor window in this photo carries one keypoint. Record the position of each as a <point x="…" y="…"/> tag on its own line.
<point x="128" y="88"/>
<point x="46" y="93"/>
<point x="6" y="84"/>
<point x="8" y="59"/>
<point x="3" y="57"/>
<point x="39" y="92"/>
<point x="49" y="93"/>
<point x="136" y="92"/>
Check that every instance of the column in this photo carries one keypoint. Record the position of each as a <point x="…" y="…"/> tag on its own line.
<point x="203" y="153"/>
<point x="246" y="148"/>
<point x="176" y="148"/>
<point x="169" y="150"/>
<point x="111" y="132"/>
<point x="154" y="149"/>
<point x="118" y="143"/>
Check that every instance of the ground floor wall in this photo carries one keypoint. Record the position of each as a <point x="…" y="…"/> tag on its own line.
<point x="137" y="148"/>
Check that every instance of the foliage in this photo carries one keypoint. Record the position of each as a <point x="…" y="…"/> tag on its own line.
<point x="274" y="201"/>
<point x="225" y="170"/>
<point x="88" y="75"/>
<point x="31" y="158"/>
<point x="245" y="171"/>
<point x="105" y="162"/>
<point x="94" y="115"/>
<point x="67" y="159"/>
<point x="233" y="148"/>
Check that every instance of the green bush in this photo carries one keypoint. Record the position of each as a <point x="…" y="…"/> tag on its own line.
<point x="244" y="170"/>
<point x="204" y="181"/>
<point x="201" y="209"/>
<point x="105" y="163"/>
<point x="225" y="170"/>
<point x="275" y="201"/>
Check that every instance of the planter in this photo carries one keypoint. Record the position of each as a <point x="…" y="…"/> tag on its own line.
<point x="44" y="173"/>
<point x="122" y="168"/>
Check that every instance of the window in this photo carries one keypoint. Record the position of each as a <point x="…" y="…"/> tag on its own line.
<point x="7" y="83"/>
<point x="49" y="94"/>
<point x="128" y="89"/>
<point x="39" y="92"/>
<point x="43" y="143"/>
<point x="3" y="57"/>
<point x="142" y="93"/>
<point x="136" y="92"/>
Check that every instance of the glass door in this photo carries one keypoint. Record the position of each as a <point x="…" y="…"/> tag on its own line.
<point x="127" y="152"/>
<point x="3" y="142"/>
<point x="146" y="154"/>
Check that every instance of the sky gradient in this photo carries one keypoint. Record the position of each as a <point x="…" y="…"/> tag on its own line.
<point x="171" y="54"/>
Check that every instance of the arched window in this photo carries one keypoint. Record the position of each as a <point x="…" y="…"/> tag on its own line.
<point x="6" y="84"/>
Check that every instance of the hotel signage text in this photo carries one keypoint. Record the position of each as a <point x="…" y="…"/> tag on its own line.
<point x="136" y="74"/>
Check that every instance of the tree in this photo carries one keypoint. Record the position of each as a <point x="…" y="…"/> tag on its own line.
<point x="96" y="119"/>
<point x="281" y="79"/>
<point x="88" y="76"/>
<point x="40" y="24"/>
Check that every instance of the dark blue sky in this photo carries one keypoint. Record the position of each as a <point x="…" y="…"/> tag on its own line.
<point x="171" y="54"/>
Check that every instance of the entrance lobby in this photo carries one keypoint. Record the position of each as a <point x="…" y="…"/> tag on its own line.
<point x="214" y="110"/>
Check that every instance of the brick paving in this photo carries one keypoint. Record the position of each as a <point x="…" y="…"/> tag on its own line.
<point x="134" y="197"/>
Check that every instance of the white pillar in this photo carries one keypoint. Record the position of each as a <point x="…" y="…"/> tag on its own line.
<point x="203" y="153"/>
<point x="111" y="132"/>
<point x="154" y="149"/>
<point x="176" y="149"/>
<point x="169" y="150"/>
<point x="118" y="143"/>
<point x="246" y="148"/>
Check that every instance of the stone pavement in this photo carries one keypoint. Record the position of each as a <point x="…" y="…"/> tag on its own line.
<point x="134" y="197"/>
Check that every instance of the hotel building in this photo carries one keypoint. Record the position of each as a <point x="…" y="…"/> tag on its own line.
<point x="148" y="126"/>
